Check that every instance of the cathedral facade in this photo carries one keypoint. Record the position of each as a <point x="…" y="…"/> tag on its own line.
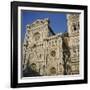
<point x="48" y="53"/>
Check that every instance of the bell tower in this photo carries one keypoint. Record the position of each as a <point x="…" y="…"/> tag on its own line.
<point x="73" y="23"/>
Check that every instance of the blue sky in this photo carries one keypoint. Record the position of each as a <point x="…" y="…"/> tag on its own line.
<point x="58" y="21"/>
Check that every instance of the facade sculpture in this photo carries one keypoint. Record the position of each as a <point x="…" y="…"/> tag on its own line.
<point x="48" y="53"/>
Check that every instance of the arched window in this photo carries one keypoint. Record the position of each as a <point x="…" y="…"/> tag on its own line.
<point x="74" y="27"/>
<point x="37" y="36"/>
<point x="78" y="25"/>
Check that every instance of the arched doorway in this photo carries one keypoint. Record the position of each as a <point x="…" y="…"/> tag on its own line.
<point x="33" y="66"/>
<point x="52" y="71"/>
